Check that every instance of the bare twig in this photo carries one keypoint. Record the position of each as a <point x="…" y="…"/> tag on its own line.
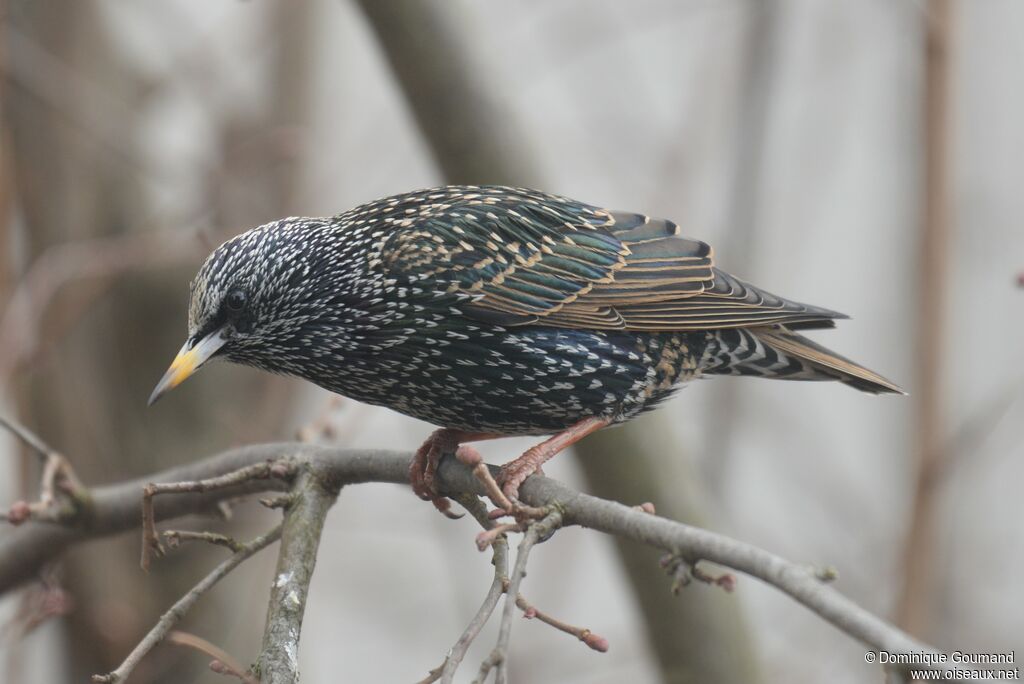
<point x="496" y="536"/>
<point x="314" y="494"/>
<point x="594" y="641"/>
<point x="176" y="537"/>
<point x="24" y="550"/>
<point x="223" y="662"/>
<point x="183" y="605"/>
<point x="61" y="493"/>
<point x="497" y="533"/>
<point x="499" y="559"/>
<point x="498" y="659"/>
<point x="434" y="674"/>
<point x="258" y="471"/>
<point x="29" y="438"/>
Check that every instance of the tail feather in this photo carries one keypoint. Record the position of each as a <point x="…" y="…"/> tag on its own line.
<point x="777" y="352"/>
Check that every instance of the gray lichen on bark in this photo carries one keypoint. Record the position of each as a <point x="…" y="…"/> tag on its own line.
<point x="312" y="496"/>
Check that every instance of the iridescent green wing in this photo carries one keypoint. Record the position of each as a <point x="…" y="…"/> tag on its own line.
<point x="524" y="257"/>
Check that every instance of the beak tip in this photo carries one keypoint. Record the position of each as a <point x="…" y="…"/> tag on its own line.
<point x="162" y="388"/>
<point x="188" y="360"/>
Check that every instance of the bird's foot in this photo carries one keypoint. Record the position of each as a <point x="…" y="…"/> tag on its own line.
<point x="423" y="469"/>
<point x="514" y="473"/>
<point x="505" y="505"/>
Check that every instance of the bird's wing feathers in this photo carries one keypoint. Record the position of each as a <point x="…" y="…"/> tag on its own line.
<point x="532" y="258"/>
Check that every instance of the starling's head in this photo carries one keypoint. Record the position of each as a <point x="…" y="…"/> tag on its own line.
<point x="255" y="299"/>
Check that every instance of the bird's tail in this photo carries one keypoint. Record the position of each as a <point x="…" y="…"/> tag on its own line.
<point x="779" y="353"/>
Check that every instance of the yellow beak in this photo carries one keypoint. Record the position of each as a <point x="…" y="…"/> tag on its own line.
<point x="188" y="362"/>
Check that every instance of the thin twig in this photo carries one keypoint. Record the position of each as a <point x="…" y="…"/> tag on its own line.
<point x="183" y="605"/>
<point x="446" y="671"/>
<point x="434" y="674"/>
<point x="151" y="540"/>
<point x="498" y="659"/>
<point x="499" y="559"/>
<point x="496" y="533"/>
<point x="176" y="537"/>
<point x="223" y="662"/>
<point x="31" y="439"/>
<point x="61" y="492"/>
<point x="594" y="641"/>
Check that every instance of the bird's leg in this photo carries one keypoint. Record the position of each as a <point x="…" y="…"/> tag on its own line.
<point x="423" y="468"/>
<point x="515" y="472"/>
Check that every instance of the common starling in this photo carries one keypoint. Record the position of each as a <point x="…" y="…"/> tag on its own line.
<point x="493" y="311"/>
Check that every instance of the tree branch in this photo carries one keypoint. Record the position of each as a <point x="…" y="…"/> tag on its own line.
<point x="311" y="498"/>
<point x="115" y="508"/>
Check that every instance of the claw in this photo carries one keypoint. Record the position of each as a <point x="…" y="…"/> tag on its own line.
<point x="423" y="469"/>
<point x="444" y="505"/>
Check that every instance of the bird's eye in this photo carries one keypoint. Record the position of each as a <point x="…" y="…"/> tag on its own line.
<point x="236" y="301"/>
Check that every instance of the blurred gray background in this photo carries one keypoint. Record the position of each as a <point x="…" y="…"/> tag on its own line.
<point x="822" y="147"/>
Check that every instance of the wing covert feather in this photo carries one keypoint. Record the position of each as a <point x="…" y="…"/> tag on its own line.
<point x="531" y="258"/>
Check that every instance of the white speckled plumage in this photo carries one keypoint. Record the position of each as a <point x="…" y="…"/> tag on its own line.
<point x="499" y="310"/>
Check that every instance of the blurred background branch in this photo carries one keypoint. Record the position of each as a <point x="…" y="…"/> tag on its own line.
<point x="823" y="148"/>
<point x="445" y="79"/>
<point x="930" y="417"/>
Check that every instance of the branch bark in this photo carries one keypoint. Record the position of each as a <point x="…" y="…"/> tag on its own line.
<point x="115" y="508"/>
<point x="311" y="498"/>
